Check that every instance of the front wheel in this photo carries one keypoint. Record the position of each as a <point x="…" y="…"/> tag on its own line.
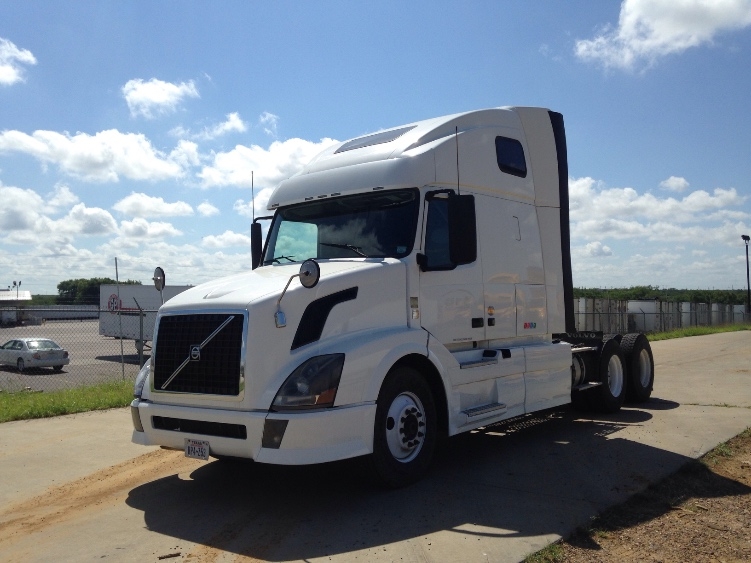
<point x="20" y="364"/>
<point x="404" y="437"/>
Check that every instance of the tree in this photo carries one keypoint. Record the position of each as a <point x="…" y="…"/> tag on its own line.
<point x="84" y="291"/>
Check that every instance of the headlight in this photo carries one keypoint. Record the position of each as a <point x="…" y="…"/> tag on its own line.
<point x="141" y="378"/>
<point x="313" y="385"/>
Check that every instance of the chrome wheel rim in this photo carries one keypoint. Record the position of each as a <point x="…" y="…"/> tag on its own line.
<point x="615" y="375"/>
<point x="645" y="368"/>
<point x="405" y="427"/>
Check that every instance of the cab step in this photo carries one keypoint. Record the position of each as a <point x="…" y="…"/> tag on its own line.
<point x="494" y="408"/>
<point x="586" y="385"/>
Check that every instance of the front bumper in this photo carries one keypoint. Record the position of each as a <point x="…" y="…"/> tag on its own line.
<point x="308" y="437"/>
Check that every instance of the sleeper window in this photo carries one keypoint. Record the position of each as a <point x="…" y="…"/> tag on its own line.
<point x="510" y="155"/>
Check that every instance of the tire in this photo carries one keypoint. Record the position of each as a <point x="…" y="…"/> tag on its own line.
<point x="57" y="368"/>
<point x="609" y="396"/>
<point x="616" y="337"/>
<point x="640" y="367"/>
<point x="406" y="429"/>
<point x="20" y="364"/>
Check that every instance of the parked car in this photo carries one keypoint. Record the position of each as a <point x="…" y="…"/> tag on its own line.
<point x="33" y="353"/>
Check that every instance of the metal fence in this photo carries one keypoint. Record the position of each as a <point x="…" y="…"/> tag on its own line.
<point x="620" y="316"/>
<point x="102" y="346"/>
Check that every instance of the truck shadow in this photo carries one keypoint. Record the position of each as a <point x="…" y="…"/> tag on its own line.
<point x="126" y="358"/>
<point x="539" y="475"/>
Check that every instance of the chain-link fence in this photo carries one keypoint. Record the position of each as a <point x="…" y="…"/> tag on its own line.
<point x="90" y="336"/>
<point x="621" y="316"/>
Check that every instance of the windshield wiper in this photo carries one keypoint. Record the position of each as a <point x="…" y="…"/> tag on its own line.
<point x="277" y="258"/>
<point x="354" y="249"/>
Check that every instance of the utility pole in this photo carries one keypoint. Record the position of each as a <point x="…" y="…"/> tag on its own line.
<point x="748" y="281"/>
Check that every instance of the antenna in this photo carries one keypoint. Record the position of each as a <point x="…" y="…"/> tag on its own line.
<point x="252" y="198"/>
<point x="456" y="138"/>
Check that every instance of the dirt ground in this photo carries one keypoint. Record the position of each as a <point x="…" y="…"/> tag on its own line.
<point x="702" y="513"/>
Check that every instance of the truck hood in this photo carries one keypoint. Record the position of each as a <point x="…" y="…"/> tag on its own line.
<point x="372" y="299"/>
<point x="242" y="289"/>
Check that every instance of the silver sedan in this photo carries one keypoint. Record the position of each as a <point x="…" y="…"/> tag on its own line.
<point x="33" y="353"/>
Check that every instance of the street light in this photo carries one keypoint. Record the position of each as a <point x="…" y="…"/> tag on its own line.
<point x="17" y="286"/>
<point x="748" y="283"/>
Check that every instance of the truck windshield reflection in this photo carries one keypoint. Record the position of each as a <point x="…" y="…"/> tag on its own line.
<point x="374" y="225"/>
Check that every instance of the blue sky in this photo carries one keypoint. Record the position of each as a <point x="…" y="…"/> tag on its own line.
<point x="130" y="130"/>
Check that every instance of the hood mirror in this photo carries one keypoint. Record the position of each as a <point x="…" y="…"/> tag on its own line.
<point x="159" y="281"/>
<point x="310" y="273"/>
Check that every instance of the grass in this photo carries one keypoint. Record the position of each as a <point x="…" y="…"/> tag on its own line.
<point x="550" y="554"/>
<point x="24" y="405"/>
<point x="697" y="331"/>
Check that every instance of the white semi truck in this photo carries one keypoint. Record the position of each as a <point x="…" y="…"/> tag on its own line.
<point x="414" y="283"/>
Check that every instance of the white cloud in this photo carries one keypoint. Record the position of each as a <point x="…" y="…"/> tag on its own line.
<point x="142" y="205"/>
<point x="103" y="157"/>
<point x="82" y="220"/>
<point x="226" y="239"/>
<point x="156" y="97"/>
<point x="62" y="197"/>
<point x="25" y="214"/>
<point x="591" y="201"/>
<point x="597" y="249"/>
<point x="650" y="29"/>
<point x="11" y="59"/>
<point x="675" y="184"/>
<point x="139" y="228"/>
<point x="19" y="211"/>
<point x="269" y="123"/>
<point x="255" y="207"/>
<point x="233" y="124"/>
<point x="698" y="219"/>
<point x="280" y="161"/>
<point x="207" y="210"/>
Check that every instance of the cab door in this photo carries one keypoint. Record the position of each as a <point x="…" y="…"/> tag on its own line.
<point x="451" y="295"/>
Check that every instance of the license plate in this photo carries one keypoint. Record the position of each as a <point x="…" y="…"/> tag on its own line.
<point x="197" y="449"/>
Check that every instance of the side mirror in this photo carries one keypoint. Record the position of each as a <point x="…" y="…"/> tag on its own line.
<point x="256" y="245"/>
<point x="159" y="279"/>
<point x="462" y="229"/>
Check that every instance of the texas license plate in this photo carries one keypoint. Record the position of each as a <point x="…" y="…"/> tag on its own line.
<point x="197" y="449"/>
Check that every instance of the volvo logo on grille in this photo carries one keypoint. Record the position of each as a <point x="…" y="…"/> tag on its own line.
<point x="195" y="352"/>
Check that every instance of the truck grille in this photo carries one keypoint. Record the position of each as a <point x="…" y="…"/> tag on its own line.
<point x="188" y="359"/>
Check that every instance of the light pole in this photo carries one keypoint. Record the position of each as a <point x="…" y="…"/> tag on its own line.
<point x="748" y="283"/>
<point x="17" y="286"/>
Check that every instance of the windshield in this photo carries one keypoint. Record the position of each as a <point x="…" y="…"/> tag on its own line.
<point x="42" y="345"/>
<point x="374" y="225"/>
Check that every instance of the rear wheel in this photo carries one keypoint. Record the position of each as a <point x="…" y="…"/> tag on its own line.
<point x="609" y="396"/>
<point x="20" y="364"/>
<point x="404" y="437"/>
<point x="640" y="367"/>
<point x="57" y="368"/>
